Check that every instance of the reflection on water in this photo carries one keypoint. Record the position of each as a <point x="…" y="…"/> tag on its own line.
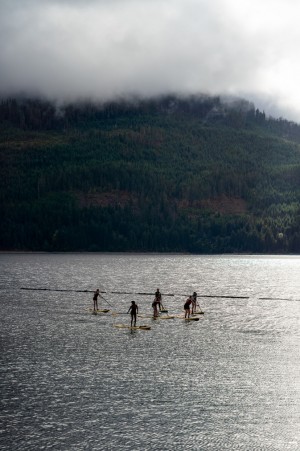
<point x="70" y="380"/>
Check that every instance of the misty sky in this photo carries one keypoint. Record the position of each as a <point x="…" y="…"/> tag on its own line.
<point x="99" y="49"/>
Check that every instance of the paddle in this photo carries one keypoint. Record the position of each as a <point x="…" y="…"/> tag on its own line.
<point x="105" y="299"/>
<point x="197" y="304"/>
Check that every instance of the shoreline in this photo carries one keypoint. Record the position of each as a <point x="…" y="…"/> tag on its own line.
<point x="247" y="254"/>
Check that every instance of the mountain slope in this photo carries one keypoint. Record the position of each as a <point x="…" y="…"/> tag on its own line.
<point x="169" y="174"/>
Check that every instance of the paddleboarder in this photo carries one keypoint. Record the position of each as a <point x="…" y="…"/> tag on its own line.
<point x="154" y="306"/>
<point x="194" y="302"/>
<point x="187" y="306"/>
<point x="157" y="299"/>
<point x="133" y="309"/>
<point x="95" y="299"/>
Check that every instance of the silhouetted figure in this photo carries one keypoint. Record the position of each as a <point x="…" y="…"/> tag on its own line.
<point x="158" y="299"/>
<point x="194" y="302"/>
<point x="187" y="307"/>
<point x="95" y="299"/>
<point x="133" y="309"/>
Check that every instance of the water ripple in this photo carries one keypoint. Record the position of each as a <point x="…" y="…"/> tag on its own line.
<point x="71" y="381"/>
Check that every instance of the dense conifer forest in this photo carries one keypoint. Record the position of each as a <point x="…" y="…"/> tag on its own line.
<point x="170" y="174"/>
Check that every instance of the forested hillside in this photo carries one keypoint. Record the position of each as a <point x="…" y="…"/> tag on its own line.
<point x="171" y="175"/>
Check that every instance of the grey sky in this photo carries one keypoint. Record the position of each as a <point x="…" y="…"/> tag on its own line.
<point x="99" y="49"/>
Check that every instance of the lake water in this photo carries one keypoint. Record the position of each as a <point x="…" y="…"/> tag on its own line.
<point x="72" y="381"/>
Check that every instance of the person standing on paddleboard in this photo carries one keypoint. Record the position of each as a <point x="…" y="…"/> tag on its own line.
<point x="133" y="309"/>
<point x="95" y="299"/>
<point x="154" y="306"/>
<point x="194" y="302"/>
<point x="158" y="299"/>
<point x="187" y="307"/>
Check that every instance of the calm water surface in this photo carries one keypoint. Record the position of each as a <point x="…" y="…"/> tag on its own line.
<point x="72" y="381"/>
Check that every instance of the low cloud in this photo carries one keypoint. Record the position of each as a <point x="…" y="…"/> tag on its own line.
<point x="70" y="50"/>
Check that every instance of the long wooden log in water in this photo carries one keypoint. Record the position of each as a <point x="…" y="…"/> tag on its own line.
<point x="135" y="293"/>
<point x="152" y="294"/>
<point x="279" y="299"/>
<point x="59" y="289"/>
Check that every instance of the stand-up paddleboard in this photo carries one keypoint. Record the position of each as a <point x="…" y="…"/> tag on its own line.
<point x="157" y="317"/>
<point x="124" y="326"/>
<point x="145" y="316"/>
<point x="148" y="316"/>
<point x="105" y="310"/>
<point x="191" y="318"/>
<point x="165" y="317"/>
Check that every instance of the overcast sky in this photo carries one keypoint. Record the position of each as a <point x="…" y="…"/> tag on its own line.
<point x="99" y="49"/>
